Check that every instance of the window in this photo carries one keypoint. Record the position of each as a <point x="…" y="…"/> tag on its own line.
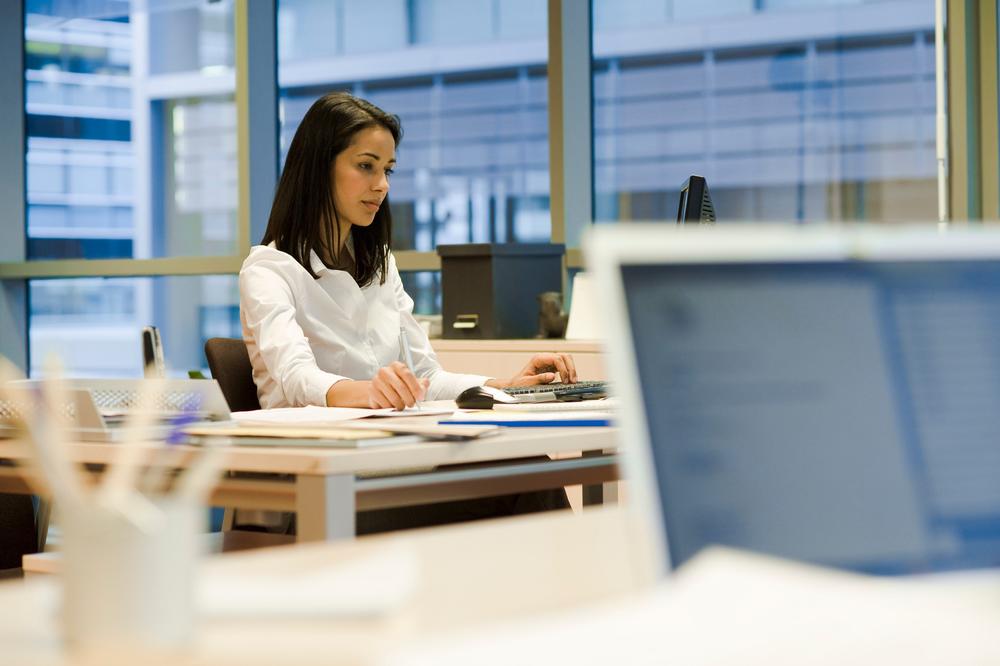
<point x="468" y="80"/>
<point x="78" y="124"/>
<point x="122" y="163"/>
<point x="795" y="110"/>
<point x="131" y="153"/>
<point x="94" y="324"/>
<point x="424" y="287"/>
<point x="792" y="110"/>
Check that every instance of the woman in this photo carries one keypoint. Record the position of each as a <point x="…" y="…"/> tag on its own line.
<point x="321" y="301"/>
<point x="322" y="305"/>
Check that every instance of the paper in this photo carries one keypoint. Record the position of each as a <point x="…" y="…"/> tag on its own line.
<point x="366" y="587"/>
<point x="601" y="405"/>
<point x="275" y="435"/>
<point x="531" y="419"/>
<point x="584" y="321"/>
<point x="224" y="430"/>
<point x="302" y="416"/>
<point x="313" y="416"/>
<point x="411" y="411"/>
<point x="430" y="430"/>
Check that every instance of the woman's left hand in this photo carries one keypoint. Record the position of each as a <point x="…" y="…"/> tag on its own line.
<point x="541" y="369"/>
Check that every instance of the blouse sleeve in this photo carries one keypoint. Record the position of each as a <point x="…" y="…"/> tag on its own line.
<point x="268" y="308"/>
<point x="444" y="385"/>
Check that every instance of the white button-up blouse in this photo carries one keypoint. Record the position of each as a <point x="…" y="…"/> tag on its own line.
<point x="306" y="334"/>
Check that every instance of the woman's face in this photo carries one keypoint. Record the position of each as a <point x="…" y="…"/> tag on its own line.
<point x="360" y="176"/>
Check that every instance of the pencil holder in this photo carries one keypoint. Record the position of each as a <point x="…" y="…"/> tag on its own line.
<point x="128" y="581"/>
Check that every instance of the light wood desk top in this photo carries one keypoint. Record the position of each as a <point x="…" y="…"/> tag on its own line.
<point x="468" y="575"/>
<point x="325" y="487"/>
<point x="513" y="443"/>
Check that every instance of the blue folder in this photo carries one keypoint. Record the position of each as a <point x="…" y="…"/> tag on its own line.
<point x="532" y="423"/>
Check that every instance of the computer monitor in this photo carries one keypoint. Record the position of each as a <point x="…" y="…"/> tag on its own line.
<point x="828" y="395"/>
<point x="695" y="206"/>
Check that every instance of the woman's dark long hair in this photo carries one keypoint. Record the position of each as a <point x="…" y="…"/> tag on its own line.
<point x="303" y="215"/>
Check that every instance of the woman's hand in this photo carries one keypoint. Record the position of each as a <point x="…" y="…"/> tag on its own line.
<point x="541" y="369"/>
<point x="395" y="386"/>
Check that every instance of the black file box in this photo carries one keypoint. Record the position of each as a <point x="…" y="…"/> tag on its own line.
<point x="490" y="290"/>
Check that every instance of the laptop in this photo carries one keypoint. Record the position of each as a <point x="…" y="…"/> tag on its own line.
<point x="830" y="395"/>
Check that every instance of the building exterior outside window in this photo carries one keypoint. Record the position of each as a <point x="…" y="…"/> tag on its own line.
<point x="795" y="111"/>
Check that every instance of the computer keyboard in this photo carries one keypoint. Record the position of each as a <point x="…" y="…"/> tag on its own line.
<point x="589" y="390"/>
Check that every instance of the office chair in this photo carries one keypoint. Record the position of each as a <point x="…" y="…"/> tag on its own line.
<point x="230" y="365"/>
<point x="17" y="530"/>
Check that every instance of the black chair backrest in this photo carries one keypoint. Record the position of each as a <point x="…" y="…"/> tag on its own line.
<point x="230" y="365"/>
<point x="17" y="530"/>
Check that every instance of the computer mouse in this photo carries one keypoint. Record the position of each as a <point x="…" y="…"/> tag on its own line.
<point x="481" y="397"/>
<point x="474" y="397"/>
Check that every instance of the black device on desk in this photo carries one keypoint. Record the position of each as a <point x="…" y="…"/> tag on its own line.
<point x="484" y="397"/>
<point x="152" y="353"/>
<point x="695" y="205"/>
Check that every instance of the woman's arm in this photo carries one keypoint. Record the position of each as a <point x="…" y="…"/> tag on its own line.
<point x="268" y="309"/>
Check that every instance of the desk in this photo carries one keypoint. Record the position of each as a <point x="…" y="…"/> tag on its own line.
<point x="516" y="569"/>
<point x="532" y="576"/>
<point x="326" y="486"/>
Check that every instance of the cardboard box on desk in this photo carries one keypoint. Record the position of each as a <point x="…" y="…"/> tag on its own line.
<point x="490" y="290"/>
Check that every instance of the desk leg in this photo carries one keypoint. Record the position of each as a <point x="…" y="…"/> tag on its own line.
<point x="324" y="507"/>
<point x="599" y="493"/>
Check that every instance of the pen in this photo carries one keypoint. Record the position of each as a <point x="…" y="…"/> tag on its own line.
<point x="407" y="356"/>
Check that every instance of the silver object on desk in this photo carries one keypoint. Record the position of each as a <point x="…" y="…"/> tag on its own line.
<point x="97" y="407"/>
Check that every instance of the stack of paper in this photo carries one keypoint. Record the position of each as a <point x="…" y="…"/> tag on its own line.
<point x="335" y="427"/>
<point x="275" y="435"/>
<point x="313" y="416"/>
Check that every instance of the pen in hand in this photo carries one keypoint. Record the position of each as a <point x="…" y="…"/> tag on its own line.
<point x="407" y="356"/>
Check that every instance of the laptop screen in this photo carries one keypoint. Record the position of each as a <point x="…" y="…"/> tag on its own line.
<point x="844" y="413"/>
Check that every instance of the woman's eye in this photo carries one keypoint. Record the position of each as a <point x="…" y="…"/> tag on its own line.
<point x="389" y="172"/>
<point x="365" y="166"/>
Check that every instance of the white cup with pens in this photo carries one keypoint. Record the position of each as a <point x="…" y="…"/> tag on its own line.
<point x="128" y="585"/>
<point x="130" y="543"/>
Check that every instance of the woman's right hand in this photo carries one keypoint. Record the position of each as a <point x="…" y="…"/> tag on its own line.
<point x="395" y="386"/>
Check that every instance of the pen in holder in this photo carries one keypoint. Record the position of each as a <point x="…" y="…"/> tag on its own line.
<point x="130" y="543"/>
